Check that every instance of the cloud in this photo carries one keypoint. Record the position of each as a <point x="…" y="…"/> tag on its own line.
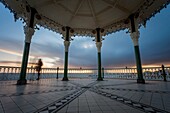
<point x="117" y="48"/>
<point x="10" y="52"/>
<point x="82" y="52"/>
<point x="14" y="63"/>
<point x="9" y="62"/>
<point x="13" y="53"/>
<point x="155" y="40"/>
<point x="11" y="44"/>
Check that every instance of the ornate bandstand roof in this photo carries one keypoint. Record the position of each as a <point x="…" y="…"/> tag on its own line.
<point x="83" y="16"/>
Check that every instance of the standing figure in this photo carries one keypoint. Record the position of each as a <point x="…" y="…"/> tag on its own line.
<point x="38" y="68"/>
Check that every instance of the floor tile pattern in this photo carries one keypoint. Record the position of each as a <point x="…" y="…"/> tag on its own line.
<point x="55" y="106"/>
<point x="136" y="90"/>
<point x="85" y="96"/>
<point x="37" y="92"/>
<point x="129" y="102"/>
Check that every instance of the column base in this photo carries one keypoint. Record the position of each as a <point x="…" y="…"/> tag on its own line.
<point x="141" y="81"/>
<point x="65" y="79"/>
<point x="99" y="79"/>
<point x="22" y="82"/>
<point x="165" y="80"/>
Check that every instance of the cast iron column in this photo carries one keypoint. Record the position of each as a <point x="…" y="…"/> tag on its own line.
<point x="99" y="45"/>
<point x="135" y="38"/>
<point x="29" y="32"/>
<point x="66" y="44"/>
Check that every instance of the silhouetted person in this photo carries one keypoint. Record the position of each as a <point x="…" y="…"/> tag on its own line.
<point x="163" y="72"/>
<point x="38" y="68"/>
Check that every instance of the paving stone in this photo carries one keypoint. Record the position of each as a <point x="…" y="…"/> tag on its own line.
<point x="95" y="109"/>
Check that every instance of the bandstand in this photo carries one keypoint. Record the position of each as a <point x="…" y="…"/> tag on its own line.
<point x="94" y="18"/>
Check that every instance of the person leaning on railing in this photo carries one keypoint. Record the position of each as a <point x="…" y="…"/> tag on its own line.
<point x="38" y="67"/>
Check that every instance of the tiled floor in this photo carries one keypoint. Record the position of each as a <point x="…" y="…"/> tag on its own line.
<point x="85" y="96"/>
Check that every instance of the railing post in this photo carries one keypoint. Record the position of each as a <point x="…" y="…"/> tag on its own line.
<point x="163" y="72"/>
<point x="57" y="72"/>
<point x="103" y="72"/>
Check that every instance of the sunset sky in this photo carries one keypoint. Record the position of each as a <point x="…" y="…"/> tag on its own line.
<point x="117" y="48"/>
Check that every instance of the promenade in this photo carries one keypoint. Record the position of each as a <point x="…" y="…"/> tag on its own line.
<point x="85" y="96"/>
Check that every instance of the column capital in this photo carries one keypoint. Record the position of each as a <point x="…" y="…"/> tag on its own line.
<point x="29" y="32"/>
<point x="135" y="38"/>
<point x="134" y="32"/>
<point x="134" y="23"/>
<point x="98" y="33"/>
<point x="67" y="32"/>
<point x="99" y="45"/>
<point x="66" y="44"/>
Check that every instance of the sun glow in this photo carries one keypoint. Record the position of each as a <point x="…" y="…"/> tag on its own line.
<point x="87" y="46"/>
<point x="48" y="62"/>
<point x="13" y="53"/>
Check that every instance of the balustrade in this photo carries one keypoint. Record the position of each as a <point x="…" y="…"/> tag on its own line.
<point x="151" y="73"/>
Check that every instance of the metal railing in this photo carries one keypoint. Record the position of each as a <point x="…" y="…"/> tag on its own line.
<point x="151" y="73"/>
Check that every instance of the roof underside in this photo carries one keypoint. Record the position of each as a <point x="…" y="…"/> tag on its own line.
<point x="86" y="15"/>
